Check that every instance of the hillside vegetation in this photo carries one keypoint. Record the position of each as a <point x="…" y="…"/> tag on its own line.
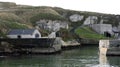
<point x="48" y="16"/>
<point x="14" y="16"/>
<point x="86" y="32"/>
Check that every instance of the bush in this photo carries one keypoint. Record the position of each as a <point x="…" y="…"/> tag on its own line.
<point x="65" y="34"/>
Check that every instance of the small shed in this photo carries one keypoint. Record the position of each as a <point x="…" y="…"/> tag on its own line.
<point x="24" y="33"/>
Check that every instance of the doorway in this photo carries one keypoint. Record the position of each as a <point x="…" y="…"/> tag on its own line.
<point x="107" y="34"/>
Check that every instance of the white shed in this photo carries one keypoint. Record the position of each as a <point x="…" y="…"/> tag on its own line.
<point x="24" y="33"/>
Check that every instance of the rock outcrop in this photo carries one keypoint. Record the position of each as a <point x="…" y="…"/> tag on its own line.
<point x="76" y="17"/>
<point x="52" y="25"/>
<point x="90" y="20"/>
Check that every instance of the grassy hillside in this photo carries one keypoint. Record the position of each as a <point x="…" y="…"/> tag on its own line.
<point x="86" y="32"/>
<point x="47" y="16"/>
<point x="27" y="12"/>
<point x="7" y="4"/>
<point x="10" y="17"/>
<point x="21" y="16"/>
<point x="10" y="21"/>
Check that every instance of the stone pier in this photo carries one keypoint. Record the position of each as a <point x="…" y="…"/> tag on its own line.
<point x="109" y="47"/>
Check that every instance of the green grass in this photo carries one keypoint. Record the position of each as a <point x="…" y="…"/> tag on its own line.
<point x="5" y="26"/>
<point x="15" y="25"/>
<point x="10" y="17"/>
<point x="86" y="32"/>
<point x="12" y="25"/>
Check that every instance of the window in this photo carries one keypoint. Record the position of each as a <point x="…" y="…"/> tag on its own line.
<point x="36" y="35"/>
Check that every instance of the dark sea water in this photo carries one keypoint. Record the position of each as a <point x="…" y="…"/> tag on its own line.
<point x="85" y="56"/>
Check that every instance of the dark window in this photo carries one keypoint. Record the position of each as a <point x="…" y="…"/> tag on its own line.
<point x="19" y="36"/>
<point x="36" y="35"/>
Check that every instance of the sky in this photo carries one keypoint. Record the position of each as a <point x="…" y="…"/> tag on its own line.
<point x="102" y="6"/>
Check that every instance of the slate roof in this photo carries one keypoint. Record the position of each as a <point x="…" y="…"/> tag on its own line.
<point x="21" y="32"/>
<point x="115" y="30"/>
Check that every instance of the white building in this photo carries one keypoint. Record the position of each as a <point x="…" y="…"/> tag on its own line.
<point x="24" y="33"/>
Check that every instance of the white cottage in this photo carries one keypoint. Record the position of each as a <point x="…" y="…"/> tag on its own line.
<point x="24" y="33"/>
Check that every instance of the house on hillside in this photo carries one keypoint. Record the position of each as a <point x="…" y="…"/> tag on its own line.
<point x="24" y="33"/>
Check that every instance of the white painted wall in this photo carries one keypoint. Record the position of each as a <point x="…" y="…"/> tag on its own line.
<point x="52" y="35"/>
<point x="26" y="36"/>
<point x="22" y="36"/>
<point x="36" y="32"/>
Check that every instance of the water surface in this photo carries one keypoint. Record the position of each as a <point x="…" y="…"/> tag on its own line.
<point x="86" y="56"/>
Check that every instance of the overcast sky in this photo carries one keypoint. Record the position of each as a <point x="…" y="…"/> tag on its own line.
<point x="103" y="6"/>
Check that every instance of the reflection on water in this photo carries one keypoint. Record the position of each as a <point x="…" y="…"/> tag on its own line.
<point x="103" y="59"/>
<point x="114" y="61"/>
<point x="103" y="62"/>
<point x="81" y="57"/>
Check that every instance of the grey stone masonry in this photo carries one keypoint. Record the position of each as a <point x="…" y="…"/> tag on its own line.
<point x="101" y="28"/>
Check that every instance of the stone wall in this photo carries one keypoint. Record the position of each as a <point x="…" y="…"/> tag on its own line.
<point x="101" y="28"/>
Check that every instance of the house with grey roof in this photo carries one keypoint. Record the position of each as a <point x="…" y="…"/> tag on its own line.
<point x="24" y="33"/>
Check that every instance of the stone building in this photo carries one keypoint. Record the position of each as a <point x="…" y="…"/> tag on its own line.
<point x="102" y="28"/>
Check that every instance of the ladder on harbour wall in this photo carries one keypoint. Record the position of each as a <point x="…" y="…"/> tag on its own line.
<point x="103" y="46"/>
<point x="109" y="47"/>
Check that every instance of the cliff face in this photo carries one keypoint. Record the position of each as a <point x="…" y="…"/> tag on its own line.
<point x="76" y="17"/>
<point x="52" y="25"/>
<point x="14" y="16"/>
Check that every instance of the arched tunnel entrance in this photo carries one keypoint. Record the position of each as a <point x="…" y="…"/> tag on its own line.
<point x="107" y="34"/>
